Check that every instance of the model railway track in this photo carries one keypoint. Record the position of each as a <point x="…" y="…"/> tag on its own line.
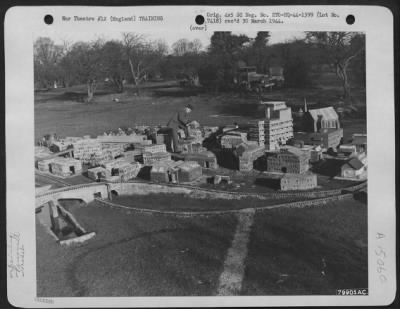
<point x="54" y="179"/>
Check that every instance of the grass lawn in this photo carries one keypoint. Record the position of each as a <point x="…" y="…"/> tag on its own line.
<point x="139" y="255"/>
<point x="134" y="255"/>
<point x="181" y="202"/>
<point x="290" y="248"/>
<point x="55" y="112"/>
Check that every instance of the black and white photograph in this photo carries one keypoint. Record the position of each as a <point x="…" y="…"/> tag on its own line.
<point x="230" y="166"/>
<point x="200" y="162"/>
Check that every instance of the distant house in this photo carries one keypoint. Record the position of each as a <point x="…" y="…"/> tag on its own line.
<point x="353" y="168"/>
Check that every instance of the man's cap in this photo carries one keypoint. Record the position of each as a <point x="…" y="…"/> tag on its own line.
<point x="189" y="106"/>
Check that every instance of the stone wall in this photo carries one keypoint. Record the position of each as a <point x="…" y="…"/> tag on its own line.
<point x="299" y="204"/>
<point x="86" y="192"/>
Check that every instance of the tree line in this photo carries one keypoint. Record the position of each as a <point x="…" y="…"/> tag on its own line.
<point x="133" y="58"/>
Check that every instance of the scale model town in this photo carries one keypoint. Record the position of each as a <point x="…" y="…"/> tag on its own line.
<point x="181" y="154"/>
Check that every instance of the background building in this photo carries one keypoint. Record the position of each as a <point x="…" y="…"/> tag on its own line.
<point x="278" y="124"/>
<point x="320" y="127"/>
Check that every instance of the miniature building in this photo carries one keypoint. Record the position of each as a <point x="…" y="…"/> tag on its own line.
<point x="127" y="170"/>
<point x="353" y="168"/>
<point x="98" y="173"/>
<point x="304" y="181"/>
<point x="257" y="132"/>
<point x="189" y="171"/>
<point x="150" y="158"/>
<point x="278" y="125"/>
<point x="83" y="149"/>
<point x="346" y="150"/>
<point x="64" y="143"/>
<point x="321" y="127"/>
<point x="360" y="141"/>
<point x="115" y="149"/>
<point x="198" y="148"/>
<point x="111" y="164"/>
<point x="288" y="160"/>
<point x="186" y="145"/>
<point x="221" y="178"/>
<point x="122" y="139"/>
<point x="100" y="157"/>
<point x="306" y="149"/>
<point x="233" y="139"/>
<point x="208" y="131"/>
<point x="41" y="152"/>
<point x="165" y="171"/>
<point x="58" y="146"/>
<point x="248" y="154"/>
<point x="231" y="127"/>
<point x="321" y="118"/>
<point x="45" y="165"/>
<point x="71" y="139"/>
<point x="326" y="138"/>
<point x="316" y="154"/>
<point x="66" y="167"/>
<point x="132" y="155"/>
<point x="152" y="148"/>
<point x="205" y="159"/>
<point x="196" y="134"/>
<point x="120" y="167"/>
<point x="295" y="142"/>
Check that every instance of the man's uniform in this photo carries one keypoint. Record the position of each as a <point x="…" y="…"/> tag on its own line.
<point x="179" y="120"/>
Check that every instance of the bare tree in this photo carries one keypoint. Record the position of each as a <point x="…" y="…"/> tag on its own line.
<point x="184" y="46"/>
<point x="136" y="49"/>
<point x="196" y="46"/>
<point x="47" y="56"/>
<point x="160" y="47"/>
<point x="340" y="49"/>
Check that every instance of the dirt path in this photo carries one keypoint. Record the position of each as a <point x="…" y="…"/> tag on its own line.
<point x="230" y="281"/>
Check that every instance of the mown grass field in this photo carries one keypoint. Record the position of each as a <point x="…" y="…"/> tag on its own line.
<point x="308" y="251"/>
<point x="140" y="255"/>
<point x="57" y="112"/>
<point x="135" y="255"/>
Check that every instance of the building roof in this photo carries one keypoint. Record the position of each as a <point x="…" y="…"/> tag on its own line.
<point x="327" y="113"/>
<point x="121" y="138"/>
<point x="354" y="163"/>
<point x="294" y="150"/>
<point x="359" y="139"/>
<point x="188" y="165"/>
<point x="163" y="166"/>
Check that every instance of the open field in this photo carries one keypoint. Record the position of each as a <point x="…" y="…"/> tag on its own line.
<point x="308" y="251"/>
<point x="139" y="255"/>
<point x="135" y="255"/>
<point x="57" y="112"/>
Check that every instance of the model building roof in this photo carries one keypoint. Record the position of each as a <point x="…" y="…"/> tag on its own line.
<point x="327" y="113"/>
<point x="354" y="163"/>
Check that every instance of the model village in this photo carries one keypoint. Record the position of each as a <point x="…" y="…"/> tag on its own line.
<point x="185" y="152"/>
